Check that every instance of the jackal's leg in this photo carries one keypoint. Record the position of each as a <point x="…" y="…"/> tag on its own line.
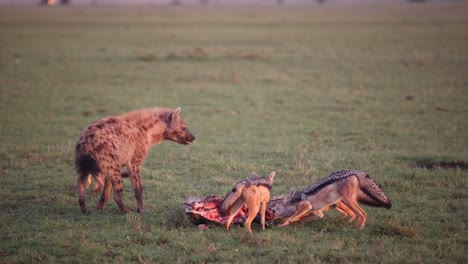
<point x="254" y="207"/>
<point x="118" y="189"/>
<point x="263" y="213"/>
<point x="234" y="210"/>
<point x="361" y="215"/>
<point x="345" y="210"/>
<point x="304" y="208"/>
<point x="342" y="212"/>
<point x="349" y="192"/>
<point x="312" y="215"/>
<point x="136" y="184"/>
<point x="81" y="186"/>
<point x="105" y="195"/>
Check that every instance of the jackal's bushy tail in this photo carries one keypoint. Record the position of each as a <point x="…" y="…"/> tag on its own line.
<point x="232" y="197"/>
<point x="372" y="194"/>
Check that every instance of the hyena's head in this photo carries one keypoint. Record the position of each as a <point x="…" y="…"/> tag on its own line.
<point x="177" y="130"/>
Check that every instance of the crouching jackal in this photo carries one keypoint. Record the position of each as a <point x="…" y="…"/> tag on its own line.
<point x="108" y="145"/>
<point x="342" y="190"/>
<point x="255" y="193"/>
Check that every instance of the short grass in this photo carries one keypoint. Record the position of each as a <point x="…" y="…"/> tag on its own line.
<point x="302" y="90"/>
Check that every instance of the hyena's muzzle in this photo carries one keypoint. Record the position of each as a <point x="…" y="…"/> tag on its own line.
<point x="184" y="136"/>
<point x="189" y="137"/>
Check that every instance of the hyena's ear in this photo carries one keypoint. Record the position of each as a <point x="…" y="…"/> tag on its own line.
<point x="173" y="116"/>
<point x="253" y="174"/>
<point x="290" y="194"/>
<point x="271" y="176"/>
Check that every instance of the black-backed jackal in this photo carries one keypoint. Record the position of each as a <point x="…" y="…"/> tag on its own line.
<point x="342" y="190"/>
<point x="255" y="193"/>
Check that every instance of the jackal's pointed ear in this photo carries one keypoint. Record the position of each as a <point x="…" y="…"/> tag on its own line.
<point x="290" y="194"/>
<point x="271" y="176"/>
<point x="253" y="174"/>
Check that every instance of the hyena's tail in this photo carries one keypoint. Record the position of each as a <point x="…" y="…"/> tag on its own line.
<point x="371" y="194"/>
<point x="86" y="165"/>
<point x="232" y="197"/>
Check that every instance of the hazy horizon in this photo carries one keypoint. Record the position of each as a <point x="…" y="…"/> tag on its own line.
<point x="79" y="2"/>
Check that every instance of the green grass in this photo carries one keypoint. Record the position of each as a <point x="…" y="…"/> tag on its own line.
<point x="302" y="90"/>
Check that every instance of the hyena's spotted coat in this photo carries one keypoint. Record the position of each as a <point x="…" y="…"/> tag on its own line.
<point x="111" y="143"/>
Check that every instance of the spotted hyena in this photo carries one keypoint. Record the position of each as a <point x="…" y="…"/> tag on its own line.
<point x="112" y="143"/>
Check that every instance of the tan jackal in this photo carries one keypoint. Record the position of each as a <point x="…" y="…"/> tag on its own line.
<point x="342" y="190"/>
<point x="255" y="193"/>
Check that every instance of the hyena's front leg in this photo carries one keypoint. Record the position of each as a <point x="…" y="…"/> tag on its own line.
<point x="118" y="189"/>
<point x="134" y="170"/>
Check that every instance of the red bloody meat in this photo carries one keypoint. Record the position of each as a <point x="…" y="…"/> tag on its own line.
<point x="207" y="211"/>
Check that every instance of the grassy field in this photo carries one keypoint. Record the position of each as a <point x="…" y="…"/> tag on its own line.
<point x="302" y="90"/>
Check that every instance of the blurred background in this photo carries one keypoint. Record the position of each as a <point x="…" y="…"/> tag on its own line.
<point x="178" y="2"/>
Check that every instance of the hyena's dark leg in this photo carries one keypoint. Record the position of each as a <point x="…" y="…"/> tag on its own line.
<point x="105" y="195"/>
<point x="134" y="170"/>
<point x="81" y="186"/>
<point x="118" y="189"/>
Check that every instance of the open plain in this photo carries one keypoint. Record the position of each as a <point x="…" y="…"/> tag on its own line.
<point x="301" y="90"/>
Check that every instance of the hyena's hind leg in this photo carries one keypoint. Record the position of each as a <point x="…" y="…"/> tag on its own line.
<point x="90" y="180"/>
<point x="81" y="186"/>
<point x="116" y="180"/>
<point x="134" y="171"/>
<point x="99" y="185"/>
<point x="105" y="195"/>
<point x="86" y="165"/>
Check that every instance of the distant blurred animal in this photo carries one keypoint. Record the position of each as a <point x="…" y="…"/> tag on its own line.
<point x="255" y="193"/>
<point x="341" y="189"/>
<point x="111" y="143"/>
